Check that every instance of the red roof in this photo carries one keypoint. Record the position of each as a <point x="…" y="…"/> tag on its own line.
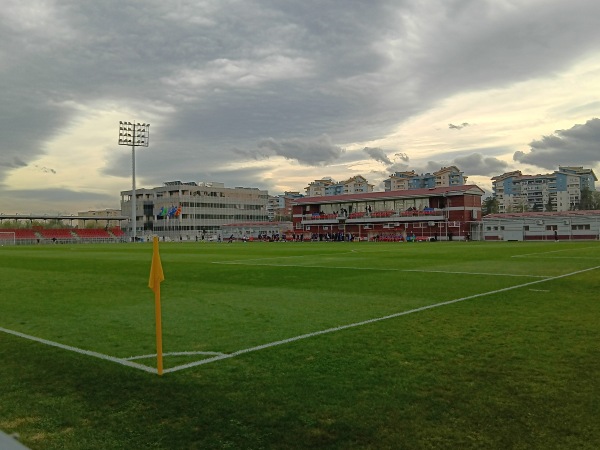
<point x="425" y="192"/>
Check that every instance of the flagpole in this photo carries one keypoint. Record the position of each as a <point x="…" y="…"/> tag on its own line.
<point x="156" y="277"/>
<point x="157" y="313"/>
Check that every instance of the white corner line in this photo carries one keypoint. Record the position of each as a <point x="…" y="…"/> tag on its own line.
<point x="153" y="355"/>
<point x="121" y="361"/>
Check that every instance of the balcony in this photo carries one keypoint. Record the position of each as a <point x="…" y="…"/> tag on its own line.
<point x="374" y="217"/>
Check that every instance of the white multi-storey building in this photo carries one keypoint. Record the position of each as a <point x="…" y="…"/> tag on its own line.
<point x="190" y="210"/>
<point x="557" y="191"/>
<point x="445" y="177"/>
<point x="280" y="206"/>
<point x="326" y="186"/>
<point x="317" y="188"/>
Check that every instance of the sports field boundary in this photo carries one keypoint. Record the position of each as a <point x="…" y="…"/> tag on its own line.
<point x="122" y="361"/>
<point x="221" y="356"/>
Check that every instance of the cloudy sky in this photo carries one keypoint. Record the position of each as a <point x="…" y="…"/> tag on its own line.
<point x="275" y="94"/>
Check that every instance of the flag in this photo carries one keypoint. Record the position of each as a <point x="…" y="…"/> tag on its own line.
<point x="156" y="270"/>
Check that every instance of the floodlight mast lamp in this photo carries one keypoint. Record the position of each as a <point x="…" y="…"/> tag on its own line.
<point x="134" y="135"/>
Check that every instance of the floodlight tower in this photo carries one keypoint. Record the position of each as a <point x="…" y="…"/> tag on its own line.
<point x="135" y="135"/>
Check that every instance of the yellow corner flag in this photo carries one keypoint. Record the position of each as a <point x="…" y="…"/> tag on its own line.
<point x="156" y="277"/>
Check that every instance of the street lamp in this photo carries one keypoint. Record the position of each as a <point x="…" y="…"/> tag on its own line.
<point x="135" y="135"/>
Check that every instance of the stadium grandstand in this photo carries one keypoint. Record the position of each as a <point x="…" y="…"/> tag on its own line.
<point x="19" y="229"/>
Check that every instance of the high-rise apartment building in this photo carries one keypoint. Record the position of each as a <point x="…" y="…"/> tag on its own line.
<point x="557" y="191"/>
<point x="326" y="186"/>
<point x="445" y="177"/>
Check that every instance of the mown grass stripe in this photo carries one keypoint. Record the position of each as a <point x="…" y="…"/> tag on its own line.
<point x="366" y="322"/>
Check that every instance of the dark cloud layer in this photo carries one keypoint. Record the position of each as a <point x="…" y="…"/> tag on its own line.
<point x="378" y="155"/>
<point x="316" y="152"/>
<point x="458" y="127"/>
<point x="578" y="145"/>
<point x="231" y="81"/>
<point x="478" y="164"/>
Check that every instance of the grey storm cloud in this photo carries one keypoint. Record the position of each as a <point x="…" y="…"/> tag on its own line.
<point x="458" y="127"/>
<point x="378" y="155"/>
<point x="578" y="145"/>
<point x="12" y="162"/>
<point x="218" y="75"/>
<point x="472" y="164"/>
<point x="478" y="164"/>
<point x="45" y="169"/>
<point x="57" y="195"/>
<point x="401" y="156"/>
<point x="316" y="152"/>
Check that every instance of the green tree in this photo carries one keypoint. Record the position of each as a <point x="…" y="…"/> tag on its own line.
<point x="490" y="206"/>
<point x="520" y="205"/>
<point x="587" y="200"/>
<point x="596" y="200"/>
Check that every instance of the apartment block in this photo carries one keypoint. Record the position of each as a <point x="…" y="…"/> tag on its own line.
<point x="556" y="191"/>
<point x="445" y="177"/>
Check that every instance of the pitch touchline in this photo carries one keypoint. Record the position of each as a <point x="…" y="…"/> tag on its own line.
<point x="242" y="261"/>
<point x="550" y="251"/>
<point x="302" y="265"/>
<point x="365" y="322"/>
<point x="558" y="257"/>
<point x="121" y="361"/>
<point x="476" y="273"/>
<point x="385" y="269"/>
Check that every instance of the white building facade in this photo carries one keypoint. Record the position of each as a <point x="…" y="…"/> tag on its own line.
<point x="193" y="211"/>
<point x="542" y="226"/>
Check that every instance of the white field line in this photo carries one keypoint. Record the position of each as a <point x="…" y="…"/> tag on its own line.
<point x="242" y="261"/>
<point x="386" y="269"/>
<point x="218" y="357"/>
<point x="593" y="258"/>
<point x="131" y="358"/>
<point x="552" y="251"/>
<point x="310" y="266"/>
<point x="121" y="361"/>
<point x="476" y="273"/>
<point x="366" y="322"/>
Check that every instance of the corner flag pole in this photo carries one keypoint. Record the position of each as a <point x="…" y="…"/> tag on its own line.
<point x="156" y="277"/>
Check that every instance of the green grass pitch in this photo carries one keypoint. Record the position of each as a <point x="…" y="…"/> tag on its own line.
<point x="303" y="345"/>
